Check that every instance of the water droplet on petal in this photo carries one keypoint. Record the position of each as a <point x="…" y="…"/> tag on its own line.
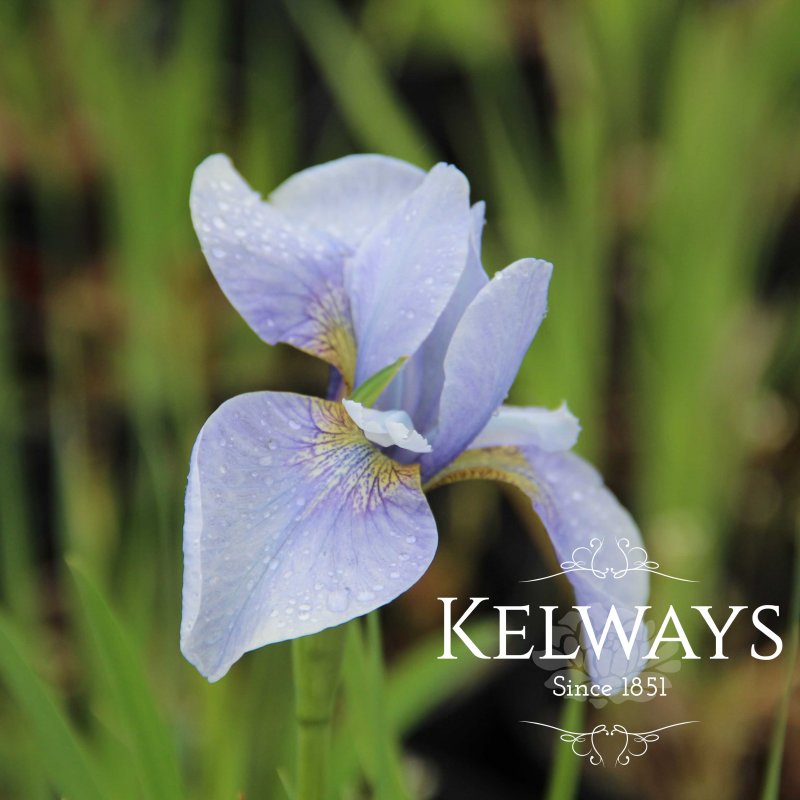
<point x="337" y="600"/>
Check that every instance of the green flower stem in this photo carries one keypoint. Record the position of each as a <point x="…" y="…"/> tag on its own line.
<point x="317" y="662"/>
<point x="772" y="787"/>
<point x="565" y="775"/>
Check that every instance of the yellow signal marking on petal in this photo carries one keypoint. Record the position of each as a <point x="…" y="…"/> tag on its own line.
<point x="506" y="464"/>
<point x="334" y="340"/>
<point x="349" y="466"/>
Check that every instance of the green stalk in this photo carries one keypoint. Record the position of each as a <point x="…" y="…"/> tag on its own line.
<point x="389" y="771"/>
<point x="771" y="790"/>
<point x="566" y="773"/>
<point x="317" y="664"/>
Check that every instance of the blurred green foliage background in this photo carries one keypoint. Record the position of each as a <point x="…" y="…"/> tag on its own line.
<point x="651" y="150"/>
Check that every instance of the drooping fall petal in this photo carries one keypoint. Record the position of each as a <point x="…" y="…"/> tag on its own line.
<point x="579" y="513"/>
<point x="294" y="523"/>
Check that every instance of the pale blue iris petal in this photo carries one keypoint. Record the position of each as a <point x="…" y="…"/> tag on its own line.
<point x="403" y="274"/>
<point x="419" y="384"/>
<point x="348" y="197"/>
<point x="596" y="542"/>
<point x="294" y="523"/>
<point x="550" y="430"/>
<point x="576" y="507"/>
<point x="285" y="279"/>
<point x="484" y="355"/>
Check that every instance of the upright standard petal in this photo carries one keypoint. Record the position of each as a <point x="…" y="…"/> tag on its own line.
<point x="581" y="516"/>
<point x="548" y="430"/>
<point x="484" y="355"/>
<point x="419" y="385"/>
<point x="402" y="276"/>
<point x="284" y="278"/>
<point x="294" y="523"/>
<point x="348" y="197"/>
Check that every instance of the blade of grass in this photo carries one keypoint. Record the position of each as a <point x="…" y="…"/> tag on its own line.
<point x="221" y="731"/>
<point x="723" y="102"/>
<point x="357" y="80"/>
<point x="265" y="742"/>
<point x="419" y="682"/>
<point x="63" y="756"/>
<point x="416" y="685"/>
<point x="772" y="788"/>
<point x="565" y="775"/>
<point x="367" y="735"/>
<point x="135" y="709"/>
<point x="389" y="757"/>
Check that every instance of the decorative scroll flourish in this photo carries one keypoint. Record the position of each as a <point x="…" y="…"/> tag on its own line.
<point x="587" y="559"/>
<point x="634" y="745"/>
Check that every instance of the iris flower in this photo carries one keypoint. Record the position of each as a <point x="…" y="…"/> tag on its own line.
<point x="303" y="513"/>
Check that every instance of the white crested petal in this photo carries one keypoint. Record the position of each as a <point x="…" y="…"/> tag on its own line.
<point x="550" y="430"/>
<point x="386" y="428"/>
<point x="407" y="438"/>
